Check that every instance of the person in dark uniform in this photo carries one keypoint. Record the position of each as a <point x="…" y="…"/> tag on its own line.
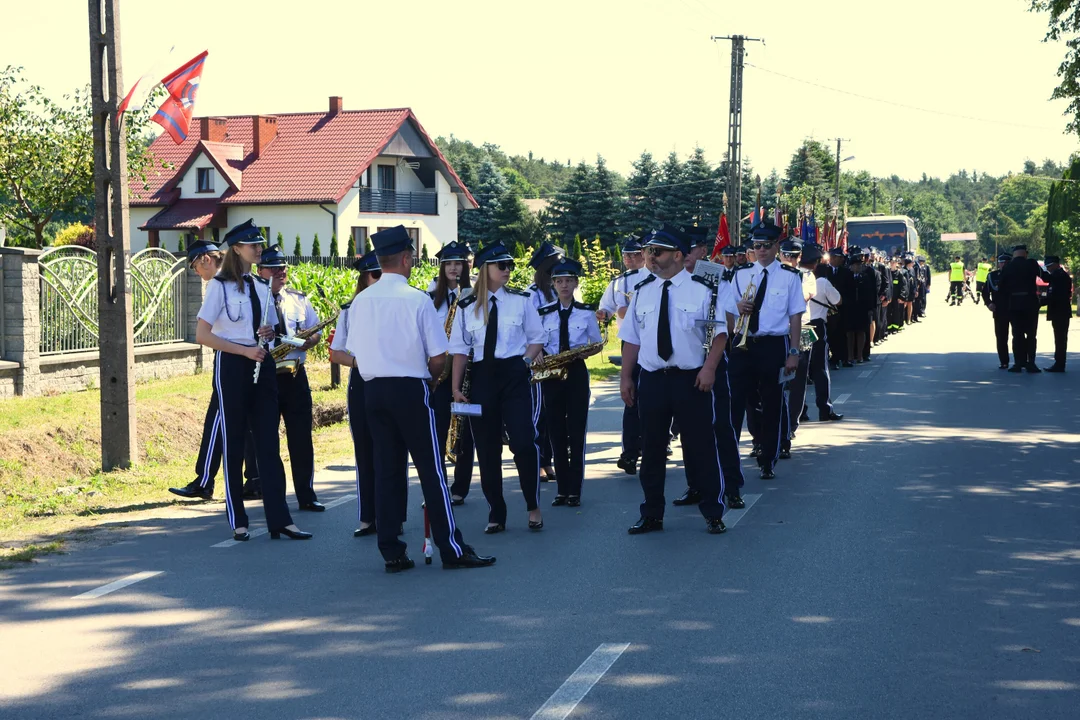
<point x="400" y="348"/>
<point x="664" y="332"/>
<point x="1018" y="282"/>
<point x="925" y="277"/>
<point x="884" y="299"/>
<point x="541" y="293"/>
<point x="205" y="259"/>
<point x="237" y="318"/>
<point x="842" y="280"/>
<point x="568" y="324"/>
<point x="295" y="314"/>
<point x="1058" y="309"/>
<point x="773" y="329"/>
<point x="502" y="329"/>
<point x="998" y="303"/>
<point x="860" y="302"/>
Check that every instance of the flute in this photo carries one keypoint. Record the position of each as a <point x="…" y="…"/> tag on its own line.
<point x="266" y="313"/>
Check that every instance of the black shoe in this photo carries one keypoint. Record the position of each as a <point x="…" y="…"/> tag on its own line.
<point x="194" y="490"/>
<point x="469" y="559"/>
<point x="313" y="506"/>
<point x="536" y="525"/>
<point x="548" y="475"/>
<point x="715" y="526"/>
<point x="785" y="453"/>
<point x="573" y="501"/>
<point x="755" y="450"/>
<point x="241" y="537"/>
<point x="252" y="493"/>
<point x="1016" y="369"/>
<point x="830" y="417"/>
<point x="1055" y="368"/>
<point x="734" y="502"/>
<point x="365" y="531"/>
<point x="492" y="529"/>
<point x="1032" y="368"/>
<point x="1003" y="366"/>
<point x="402" y="563"/>
<point x="455" y="500"/>
<point x="690" y="497"/>
<point x="559" y="500"/>
<point x="627" y="465"/>
<point x="646" y="525"/>
<point x="805" y="417"/>
<point x="767" y="473"/>
<point x="849" y="364"/>
<point x="291" y="534"/>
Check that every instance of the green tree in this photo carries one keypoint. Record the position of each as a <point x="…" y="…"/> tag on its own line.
<point x="575" y="249"/>
<point x="480" y="227"/>
<point x="1065" y="23"/>
<point x="639" y="213"/>
<point x="350" y="246"/>
<point x="316" y="251"/>
<point x="604" y="206"/>
<point x="333" y="245"/>
<point x="670" y="205"/>
<point x="570" y="212"/>
<point x="298" y="249"/>
<point x="280" y="241"/>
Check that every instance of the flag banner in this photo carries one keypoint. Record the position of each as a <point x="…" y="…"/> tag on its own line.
<point x="175" y="113"/>
<point x="140" y="92"/>
<point x="174" y="118"/>
<point x="723" y="238"/>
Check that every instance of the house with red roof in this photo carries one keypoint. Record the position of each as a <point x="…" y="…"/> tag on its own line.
<point x="344" y="172"/>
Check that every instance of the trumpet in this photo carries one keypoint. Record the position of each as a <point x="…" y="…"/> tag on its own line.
<point x="742" y="325"/>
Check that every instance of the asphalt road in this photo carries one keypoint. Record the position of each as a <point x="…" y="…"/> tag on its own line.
<point x="920" y="559"/>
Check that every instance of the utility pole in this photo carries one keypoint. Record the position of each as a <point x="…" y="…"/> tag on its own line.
<point x="116" y="341"/>
<point x="734" y="180"/>
<point x="838" y="141"/>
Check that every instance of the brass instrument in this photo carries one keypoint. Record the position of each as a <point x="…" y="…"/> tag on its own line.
<point x="448" y="327"/>
<point x="455" y="421"/>
<point x="742" y="325"/>
<point x="553" y="367"/>
<point x="279" y="353"/>
<point x="807" y="337"/>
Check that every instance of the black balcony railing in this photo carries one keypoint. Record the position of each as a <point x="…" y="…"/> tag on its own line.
<point x="402" y="203"/>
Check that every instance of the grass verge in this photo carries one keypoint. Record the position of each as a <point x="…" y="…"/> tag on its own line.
<point x="10" y="557"/>
<point x="599" y="365"/>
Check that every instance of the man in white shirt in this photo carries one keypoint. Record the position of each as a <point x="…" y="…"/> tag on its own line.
<point x="825" y="299"/>
<point x="399" y="346"/>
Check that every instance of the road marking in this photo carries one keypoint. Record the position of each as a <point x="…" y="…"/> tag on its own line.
<point x="866" y="373"/>
<point x="340" y="501"/>
<point x="116" y="585"/>
<point x="842" y="399"/>
<point x="731" y="517"/>
<point x="229" y="543"/>
<point x="577" y="686"/>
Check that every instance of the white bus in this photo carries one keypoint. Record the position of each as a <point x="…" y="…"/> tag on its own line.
<point x="894" y="234"/>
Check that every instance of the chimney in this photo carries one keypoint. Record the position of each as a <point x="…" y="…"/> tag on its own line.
<point x="212" y="129"/>
<point x="263" y="131"/>
<point x="335" y="104"/>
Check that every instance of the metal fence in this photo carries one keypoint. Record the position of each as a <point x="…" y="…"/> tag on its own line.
<point x="69" y="298"/>
<point x="326" y="261"/>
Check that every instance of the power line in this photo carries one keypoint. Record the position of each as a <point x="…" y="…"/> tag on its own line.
<point x="621" y="193"/>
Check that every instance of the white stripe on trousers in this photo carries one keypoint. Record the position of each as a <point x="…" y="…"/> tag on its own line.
<point x="439" y="469"/>
<point x="215" y="428"/>
<point x="538" y="398"/>
<point x="224" y="441"/>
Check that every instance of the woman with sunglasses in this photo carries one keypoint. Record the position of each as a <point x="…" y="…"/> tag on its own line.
<point x="236" y="317"/>
<point x="542" y="292"/>
<point x="502" y="329"/>
<point x="452" y="285"/>
<point x="363" y="446"/>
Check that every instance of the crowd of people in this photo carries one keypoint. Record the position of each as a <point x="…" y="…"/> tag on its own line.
<point x="450" y="376"/>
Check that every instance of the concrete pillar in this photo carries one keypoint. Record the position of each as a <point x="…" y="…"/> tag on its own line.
<point x="194" y="292"/>
<point x="20" y="322"/>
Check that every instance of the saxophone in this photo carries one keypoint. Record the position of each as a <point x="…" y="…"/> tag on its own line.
<point x="553" y="367"/>
<point x="742" y="325"/>
<point x="292" y="342"/>
<point x="455" y="421"/>
<point x="448" y="327"/>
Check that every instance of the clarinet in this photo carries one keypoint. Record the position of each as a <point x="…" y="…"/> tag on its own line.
<point x="266" y="314"/>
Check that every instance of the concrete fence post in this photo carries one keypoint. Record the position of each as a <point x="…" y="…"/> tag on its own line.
<point x="21" y="320"/>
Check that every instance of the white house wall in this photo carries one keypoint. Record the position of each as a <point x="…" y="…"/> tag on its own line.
<point x="290" y="221"/>
<point x="190" y="182"/>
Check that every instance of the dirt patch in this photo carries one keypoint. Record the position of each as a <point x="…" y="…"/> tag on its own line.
<point x="328" y="413"/>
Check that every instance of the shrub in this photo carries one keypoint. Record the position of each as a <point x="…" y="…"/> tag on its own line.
<point x="327" y="288"/>
<point x="422" y="275"/>
<point x="350" y="247"/>
<point x="280" y="242"/>
<point x="76" y="234"/>
<point x="597" y="272"/>
<point x="297" y="251"/>
<point x="333" y="246"/>
<point x="316" y="251"/>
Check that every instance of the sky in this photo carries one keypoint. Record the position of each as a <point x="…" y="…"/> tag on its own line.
<point x="567" y="79"/>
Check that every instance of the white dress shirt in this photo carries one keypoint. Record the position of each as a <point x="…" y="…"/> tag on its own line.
<point x="688" y="302"/>
<point x="341" y="329"/>
<point x="393" y="330"/>
<point x="228" y="309"/>
<point x="519" y="326"/>
<point x="618" y="292"/>
<point x="459" y="293"/>
<point x="825" y="293"/>
<point x="783" y="296"/>
<point x="297" y="314"/>
<point x="582" y="326"/>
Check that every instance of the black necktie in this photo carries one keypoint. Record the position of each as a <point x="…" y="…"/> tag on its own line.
<point x="663" y="328"/>
<point x="256" y="307"/>
<point x="492" y="336"/>
<point x="280" y="327"/>
<point x="564" y="329"/>
<point x="758" y="299"/>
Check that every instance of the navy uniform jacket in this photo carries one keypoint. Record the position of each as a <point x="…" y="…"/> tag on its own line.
<point x="1059" y="301"/>
<point x="1018" y="282"/>
<point x="992" y="294"/>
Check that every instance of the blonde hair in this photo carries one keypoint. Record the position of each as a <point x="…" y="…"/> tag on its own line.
<point x="481" y="293"/>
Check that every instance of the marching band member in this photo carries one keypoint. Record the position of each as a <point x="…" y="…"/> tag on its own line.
<point x="400" y="347"/>
<point x="231" y="322"/>
<point x="451" y="286"/>
<point x="614" y="302"/>
<point x="773" y="330"/>
<point x="795" y="390"/>
<point x="204" y="258"/>
<point x="502" y="328"/>
<point x="295" y="313"/>
<point x="542" y="292"/>
<point x="663" y="333"/>
<point x="568" y="324"/>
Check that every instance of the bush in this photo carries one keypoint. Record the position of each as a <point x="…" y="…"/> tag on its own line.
<point x="328" y="288"/>
<point x="280" y="242"/>
<point x="597" y="273"/>
<point x="316" y="251"/>
<point x="297" y="251"/>
<point x="350" y="247"/>
<point x="76" y="234"/>
<point x="333" y="246"/>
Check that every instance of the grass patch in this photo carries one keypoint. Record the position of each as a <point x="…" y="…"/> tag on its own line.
<point x="600" y="367"/>
<point x="9" y="557"/>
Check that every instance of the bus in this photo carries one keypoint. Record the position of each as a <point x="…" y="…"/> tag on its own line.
<point x="894" y="234"/>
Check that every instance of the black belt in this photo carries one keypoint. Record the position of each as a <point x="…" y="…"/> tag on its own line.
<point x="671" y="371"/>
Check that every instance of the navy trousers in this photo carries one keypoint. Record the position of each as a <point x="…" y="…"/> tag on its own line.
<point x="441" y="398"/>
<point x="209" y="460"/>
<point x="294" y="401"/>
<point x="726" y="442"/>
<point x="755" y="370"/>
<point x="631" y="426"/>
<point x="567" y="405"/>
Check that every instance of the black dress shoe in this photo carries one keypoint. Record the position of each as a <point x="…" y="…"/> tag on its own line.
<point x="1032" y="368"/>
<point x="559" y="500"/>
<point x="785" y="453"/>
<point x="767" y="473"/>
<point x="291" y="534"/>
<point x="365" y="531"/>
<point x="573" y="501"/>
<point x="455" y="500"/>
<point x="1054" y="368"/>
<point x="715" y="526"/>
<point x="1003" y="366"/>
<point x="536" y="525"/>
<point x="627" y="465"/>
<point x="548" y="475"/>
<point x="492" y="529"/>
<point x="1016" y="369"/>
<point x="402" y="563"/>
<point x="805" y="417"/>
<point x="469" y="559"/>
<point x="690" y="497"/>
<point x="830" y="417"/>
<point x="252" y="493"/>
<point x="849" y="364"/>
<point x="646" y="525"/>
<point x="734" y="502"/>
<point x="314" y="506"/>
<point x="241" y="537"/>
<point x="755" y="450"/>
<point x="194" y="490"/>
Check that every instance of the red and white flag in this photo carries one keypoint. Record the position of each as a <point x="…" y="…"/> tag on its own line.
<point x="140" y="91"/>
<point x="175" y="113"/>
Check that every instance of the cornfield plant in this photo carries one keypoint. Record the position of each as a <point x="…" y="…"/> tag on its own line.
<point x="422" y="275"/>
<point x="327" y="288"/>
<point x="598" y="272"/>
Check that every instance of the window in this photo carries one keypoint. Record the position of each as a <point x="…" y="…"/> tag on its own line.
<point x="216" y="234"/>
<point x="360" y="239"/>
<point x="414" y="235"/>
<point x="205" y="178"/>
<point x="387" y="177"/>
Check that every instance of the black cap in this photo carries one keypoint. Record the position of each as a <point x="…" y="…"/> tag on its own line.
<point x="367" y="263"/>
<point x="740" y="250"/>
<point x="765" y="232"/>
<point x="542" y="253"/>
<point x="391" y="241"/>
<point x="728" y="251"/>
<point x="791" y="247"/>
<point x="836" y="252"/>
<point x="1051" y="260"/>
<point x="199" y="248"/>
<point x="567" y="267"/>
<point x="246" y="233"/>
<point x="670" y="237"/>
<point x="453" y="251"/>
<point x="1004" y="257"/>
<point x="632" y="244"/>
<point x="272" y="257"/>
<point x="494" y="252"/>
<point x="699" y="237"/>
<point x="1019" y="247"/>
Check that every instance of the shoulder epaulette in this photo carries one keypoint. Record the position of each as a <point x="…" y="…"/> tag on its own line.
<point x="646" y="281"/>
<point x="262" y="280"/>
<point x="431" y="294"/>
<point x="704" y="281"/>
<point x="466" y="302"/>
<point x="512" y="291"/>
<point x="532" y="288"/>
<point x="583" y="306"/>
<point x="790" y="269"/>
<point x="548" y="309"/>
<point x="345" y="306"/>
<point x="744" y="266"/>
<point x="295" y="292"/>
<point x="728" y="274"/>
<point x="628" y="273"/>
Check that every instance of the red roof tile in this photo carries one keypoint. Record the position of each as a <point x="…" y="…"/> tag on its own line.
<point x="186" y="215"/>
<point x="314" y="157"/>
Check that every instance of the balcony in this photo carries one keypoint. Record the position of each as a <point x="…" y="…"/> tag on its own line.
<point x="400" y="203"/>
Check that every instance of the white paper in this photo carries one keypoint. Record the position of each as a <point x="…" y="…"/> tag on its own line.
<point x="469" y="409"/>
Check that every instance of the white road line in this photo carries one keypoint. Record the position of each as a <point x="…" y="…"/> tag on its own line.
<point x="732" y="517"/>
<point x="340" y="501"/>
<point x="866" y="373"/>
<point x="230" y="543"/>
<point x="842" y="399"/>
<point x="577" y="686"/>
<point x="116" y="585"/>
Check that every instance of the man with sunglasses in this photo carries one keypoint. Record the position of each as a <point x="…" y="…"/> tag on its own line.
<point x="664" y="331"/>
<point x="772" y="345"/>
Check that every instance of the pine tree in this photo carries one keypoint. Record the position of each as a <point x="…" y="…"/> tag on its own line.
<point x="180" y="246"/>
<point x="669" y="205"/>
<point x="350" y="247"/>
<point x="423" y="253"/>
<point x="569" y="208"/>
<point x="297" y="250"/>
<point x="280" y="242"/>
<point x="479" y="227"/>
<point x="605" y="205"/>
<point x="333" y="245"/>
<point x="700" y="201"/>
<point x="639" y="212"/>
<point x="575" y="250"/>
<point x="315" y="249"/>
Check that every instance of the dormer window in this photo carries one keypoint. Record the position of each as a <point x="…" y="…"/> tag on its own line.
<point x="205" y="180"/>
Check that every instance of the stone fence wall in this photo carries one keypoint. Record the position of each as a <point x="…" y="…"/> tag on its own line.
<point x="25" y="372"/>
